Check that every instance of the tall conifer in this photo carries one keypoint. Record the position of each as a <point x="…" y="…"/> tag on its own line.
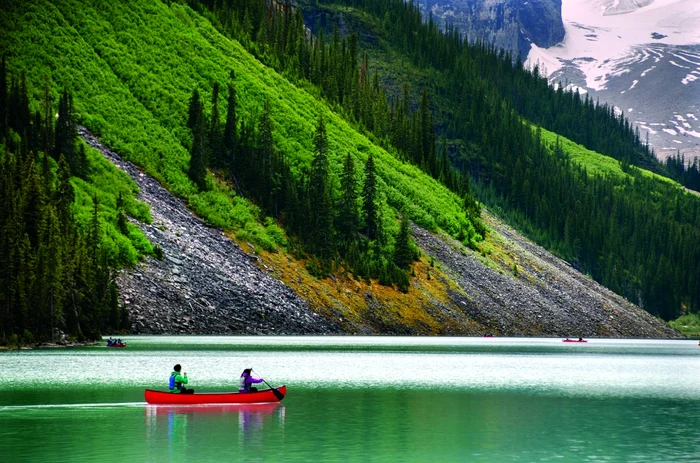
<point x="348" y="218"/>
<point x="320" y="194"/>
<point x="369" y="199"/>
<point x="231" y="126"/>
<point x="216" y="149"/>
<point x="403" y="256"/>
<point x="4" y="109"/>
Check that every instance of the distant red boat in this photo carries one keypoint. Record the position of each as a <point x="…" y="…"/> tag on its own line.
<point x="573" y="340"/>
<point x="168" y="398"/>
<point x="123" y="344"/>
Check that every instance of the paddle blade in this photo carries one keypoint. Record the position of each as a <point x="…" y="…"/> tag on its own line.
<point x="278" y="394"/>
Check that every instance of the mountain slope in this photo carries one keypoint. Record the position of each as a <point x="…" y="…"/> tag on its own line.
<point x="133" y="66"/>
<point x="641" y="56"/>
<point x="206" y="284"/>
<point x="618" y="228"/>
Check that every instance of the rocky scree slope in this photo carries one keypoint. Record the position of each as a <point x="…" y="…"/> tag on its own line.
<point x="205" y="283"/>
<point x="545" y="296"/>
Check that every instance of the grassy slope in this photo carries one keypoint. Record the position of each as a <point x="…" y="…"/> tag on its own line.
<point x="689" y="325"/>
<point x="133" y="65"/>
<point x="106" y="182"/>
<point x="596" y="163"/>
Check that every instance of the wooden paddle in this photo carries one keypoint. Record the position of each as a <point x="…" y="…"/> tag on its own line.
<point x="275" y="391"/>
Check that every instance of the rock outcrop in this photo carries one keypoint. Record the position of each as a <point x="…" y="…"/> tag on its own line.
<point x="509" y="24"/>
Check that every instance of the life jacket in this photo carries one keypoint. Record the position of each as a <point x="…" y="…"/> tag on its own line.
<point x="242" y="386"/>
<point x="173" y="384"/>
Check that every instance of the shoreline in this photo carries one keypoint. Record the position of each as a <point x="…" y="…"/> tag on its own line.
<point x="49" y="345"/>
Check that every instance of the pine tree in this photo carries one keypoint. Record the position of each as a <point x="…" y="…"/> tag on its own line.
<point x="320" y="192"/>
<point x="348" y="217"/>
<point x="66" y="137"/>
<point x="94" y="234"/>
<point x="4" y="103"/>
<point x="215" y="136"/>
<point x="198" y="154"/>
<point x="194" y="112"/>
<point x="47" y="123"/>
<point x="122" y="221"/>
<point x="33" y="201"/>
<point x="265" y="156"/>
<point x="50" y="277"/>
<point x="403" y="255"/>
<point x="64" y="194"/>
<point x="369" y="200"/>
<point x="231" y="126"/>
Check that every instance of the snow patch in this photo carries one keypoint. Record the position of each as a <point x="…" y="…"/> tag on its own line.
<point x="679" y="56"/>
<point x="572" y="88"/>
<point x="682" y="120"/>
<point x="670" y="131"/>
<point x="619" y="26"/>
<point x="634" y="84"/>
<point x="678" y="141"/>
<point x="678" y="65"/>
<point x="692" y="116"/>
<point x="648" y="129"/>
<point x="646" y="71"/>
<point x="689" y="78"/>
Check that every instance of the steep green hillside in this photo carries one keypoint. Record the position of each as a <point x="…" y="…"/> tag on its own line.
<point x="634" y="232"/>
<point x="132" y="67"/>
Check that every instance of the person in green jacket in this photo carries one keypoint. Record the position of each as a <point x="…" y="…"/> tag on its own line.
<point x="178" y="381"/>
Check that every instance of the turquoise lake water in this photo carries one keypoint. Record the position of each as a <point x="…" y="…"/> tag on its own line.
<point x="366" y="399"/>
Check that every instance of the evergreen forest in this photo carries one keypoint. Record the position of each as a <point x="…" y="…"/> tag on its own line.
<point x="64" y="223"/>
<point x="631" y="230"/>
<point x="320" y="128"/>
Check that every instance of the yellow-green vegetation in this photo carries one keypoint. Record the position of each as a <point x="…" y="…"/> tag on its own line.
<point x="365" y="306"/>
<point x="596" y="163"/>
<point x="106" y="183"/>
<point x="689" y="325"/>
<point x="132" y="67"/>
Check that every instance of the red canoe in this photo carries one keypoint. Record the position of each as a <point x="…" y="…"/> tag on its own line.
<point x="168" y="398"/>
<point x="573" y="340"/>
<point x="117" y="345"/>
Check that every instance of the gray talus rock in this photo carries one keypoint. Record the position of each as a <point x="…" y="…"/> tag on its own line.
<point x="509" y="24"/>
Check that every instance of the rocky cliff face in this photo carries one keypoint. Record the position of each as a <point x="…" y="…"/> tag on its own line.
<point x="509" y="24"/>
<point x="206" y="284"/>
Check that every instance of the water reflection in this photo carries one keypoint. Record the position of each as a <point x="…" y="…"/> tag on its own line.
<point x="171" y="429"/>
